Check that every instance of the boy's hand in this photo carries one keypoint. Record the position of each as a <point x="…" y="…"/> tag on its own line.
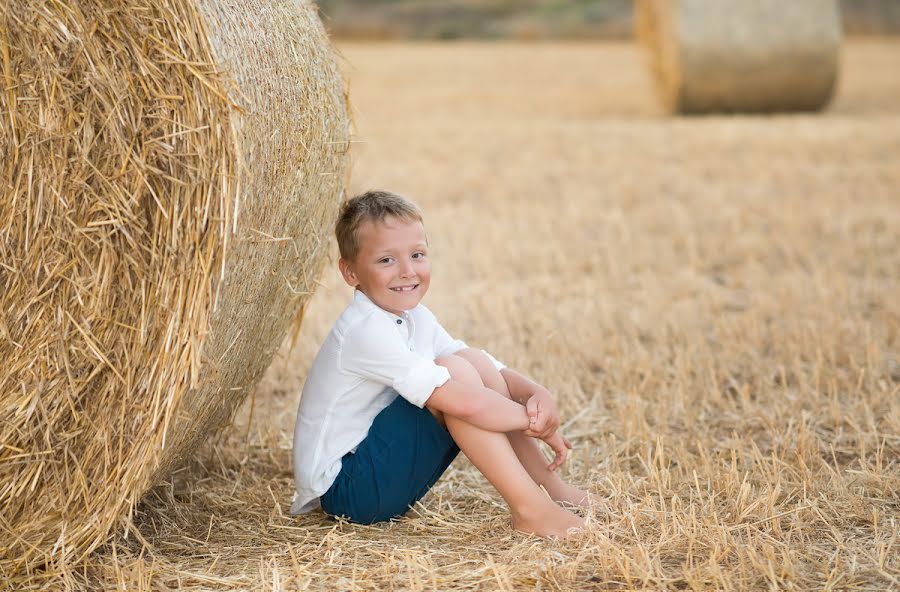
<point x="561" y="446"/>
<point x="542" y="415"/>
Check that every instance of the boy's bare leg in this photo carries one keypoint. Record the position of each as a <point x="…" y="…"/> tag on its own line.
<point x="527" y="449"/>
<point x="491" y="452"/>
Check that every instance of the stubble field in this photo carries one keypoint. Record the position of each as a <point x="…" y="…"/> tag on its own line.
<point x="714" y="301"/>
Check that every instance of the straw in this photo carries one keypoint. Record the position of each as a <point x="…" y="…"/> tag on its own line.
<point x="733" y="55"/>
<point x="171" y="171"/>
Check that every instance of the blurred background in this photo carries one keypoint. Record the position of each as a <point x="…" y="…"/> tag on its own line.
<point x="533" y="19"/>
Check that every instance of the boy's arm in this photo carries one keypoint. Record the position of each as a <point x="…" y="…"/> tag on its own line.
<point x="479" y="406"/>
<point x="538" y="403"/>
<point x="489" y="410"/>
<point x="521" y="388"/>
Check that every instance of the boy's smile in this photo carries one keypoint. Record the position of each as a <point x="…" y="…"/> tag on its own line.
<point x="392" y="266"/>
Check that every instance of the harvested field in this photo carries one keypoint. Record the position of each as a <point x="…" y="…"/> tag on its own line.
<point x="713" y="300"/>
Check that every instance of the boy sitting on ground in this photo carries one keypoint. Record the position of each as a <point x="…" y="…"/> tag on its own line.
<point x="391" y="398"/>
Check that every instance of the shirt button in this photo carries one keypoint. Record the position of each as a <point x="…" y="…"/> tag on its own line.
<point x="399" y="322"/>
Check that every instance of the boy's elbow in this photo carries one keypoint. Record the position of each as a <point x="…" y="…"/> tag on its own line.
<point x="455" y="403"/>
<point x="464" y="408"/>
<point x="469" y="410"/>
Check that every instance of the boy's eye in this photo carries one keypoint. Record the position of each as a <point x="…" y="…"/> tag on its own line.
<point x="385" y="260"/>
<point x="418" y="255"/>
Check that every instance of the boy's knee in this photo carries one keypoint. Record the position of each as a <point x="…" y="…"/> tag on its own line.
<point x="490" y="377"/>
<point x="478" y="359"/>
<point x="460" y="369"/>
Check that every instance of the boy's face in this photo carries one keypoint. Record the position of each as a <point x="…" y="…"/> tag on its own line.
<point x="392" y="266"/>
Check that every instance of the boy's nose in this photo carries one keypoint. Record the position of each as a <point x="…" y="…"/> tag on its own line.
<point x="406" y="269"/>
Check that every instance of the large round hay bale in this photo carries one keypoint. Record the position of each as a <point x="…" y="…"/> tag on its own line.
<point x="171" y="170"/>
<point x="740" y="55"/>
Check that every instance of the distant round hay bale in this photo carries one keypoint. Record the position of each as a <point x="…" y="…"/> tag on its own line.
<point x="739" y="55"/>
<point x="171" y="170"/>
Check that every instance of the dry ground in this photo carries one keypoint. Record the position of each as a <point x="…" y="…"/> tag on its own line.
<point x="714" y="302"/>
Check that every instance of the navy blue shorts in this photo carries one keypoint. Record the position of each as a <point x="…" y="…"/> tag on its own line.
<point x="403" y="455"/>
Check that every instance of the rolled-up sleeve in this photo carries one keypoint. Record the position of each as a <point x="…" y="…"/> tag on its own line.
<point x="374" y="350"/>
<point x="420" y="381"/>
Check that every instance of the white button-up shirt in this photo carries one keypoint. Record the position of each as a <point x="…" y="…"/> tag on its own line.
<point x="369" y="356"/>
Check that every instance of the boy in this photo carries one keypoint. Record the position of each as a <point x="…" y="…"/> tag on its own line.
<point x="391" y="398"/>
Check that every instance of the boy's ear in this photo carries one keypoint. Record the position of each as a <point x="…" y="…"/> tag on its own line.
<point x="347" y="272"/>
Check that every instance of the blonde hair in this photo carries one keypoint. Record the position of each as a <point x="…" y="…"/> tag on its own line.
<point x="372" y="206"/>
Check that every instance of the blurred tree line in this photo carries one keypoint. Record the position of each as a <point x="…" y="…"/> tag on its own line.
<point x="534" y="19"/>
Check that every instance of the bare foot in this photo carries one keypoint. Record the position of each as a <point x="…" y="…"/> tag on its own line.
<point x="549" y="522"/>
<point x="571" y="495"/>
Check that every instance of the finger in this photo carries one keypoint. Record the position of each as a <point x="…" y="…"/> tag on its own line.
<point x="559" y="460"/>
<point x="547" y="423"/>
<point x="560" y="453"/>
<point x="567" y="443"/>
<point x="564" y="454"/>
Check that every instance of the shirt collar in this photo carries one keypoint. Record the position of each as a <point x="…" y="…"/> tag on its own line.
<point x="360" y="299"/>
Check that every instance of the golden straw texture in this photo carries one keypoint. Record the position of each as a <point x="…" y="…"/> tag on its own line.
<point x="734" y="55"/>
<point x="170" y="173"/>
